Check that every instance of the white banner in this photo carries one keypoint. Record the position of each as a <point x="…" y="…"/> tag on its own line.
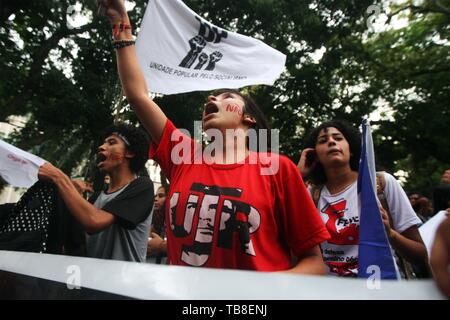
<point x="17" y="167"/>
<point x="163" y="282"/>
<point x="180" y="52"/>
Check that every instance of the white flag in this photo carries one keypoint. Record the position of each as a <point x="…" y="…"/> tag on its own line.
<point x="17" y="167"/>
<point x="180" y="52"/>
<point x="374" y="249"/>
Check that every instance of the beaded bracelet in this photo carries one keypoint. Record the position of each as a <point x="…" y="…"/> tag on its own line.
<point x="119" y="44"/>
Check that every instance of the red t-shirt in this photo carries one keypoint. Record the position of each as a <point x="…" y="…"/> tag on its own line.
<point x="231" y="215"/>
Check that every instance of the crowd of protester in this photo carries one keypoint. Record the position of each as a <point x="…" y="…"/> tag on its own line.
<point x="299" y="219"/>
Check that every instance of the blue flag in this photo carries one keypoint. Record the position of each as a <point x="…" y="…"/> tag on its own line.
<point x="374" y="249"/>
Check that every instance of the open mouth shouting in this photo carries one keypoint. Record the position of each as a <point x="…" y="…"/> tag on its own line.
<point x="210" y="109"/>
<point x="101" y="158"/>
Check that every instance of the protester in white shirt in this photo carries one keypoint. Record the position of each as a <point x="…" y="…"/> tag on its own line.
<point x="331" y="162"/>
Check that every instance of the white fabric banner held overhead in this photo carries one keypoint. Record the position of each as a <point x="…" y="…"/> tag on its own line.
<point x="17" y="167"/>
<point x="181" y="52"/>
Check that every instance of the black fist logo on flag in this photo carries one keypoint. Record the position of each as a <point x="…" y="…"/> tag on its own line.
<point x="197" y="44"/>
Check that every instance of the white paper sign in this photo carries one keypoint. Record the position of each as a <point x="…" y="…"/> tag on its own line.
<point x="17" y="167"/>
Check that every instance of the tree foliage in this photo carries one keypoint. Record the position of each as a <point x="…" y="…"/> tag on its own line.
<point x="65" y="79"/>
<point x="410" y="70"/>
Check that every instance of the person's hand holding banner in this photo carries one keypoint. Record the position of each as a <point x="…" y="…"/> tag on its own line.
<point x="17" y="167"/>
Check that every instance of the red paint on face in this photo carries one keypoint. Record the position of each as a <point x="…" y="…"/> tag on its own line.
<point x="234" y="108"/>
<point x="116" y="156"/>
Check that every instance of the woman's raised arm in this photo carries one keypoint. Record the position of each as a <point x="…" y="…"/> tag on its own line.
<point x="131" y="76"/>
